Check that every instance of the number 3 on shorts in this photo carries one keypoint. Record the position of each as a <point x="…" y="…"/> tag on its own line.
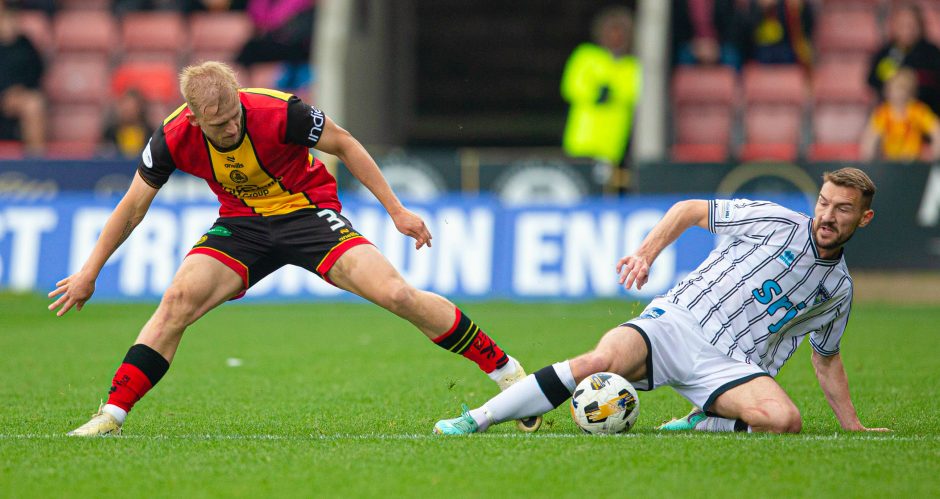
<point x="331" y="217"/>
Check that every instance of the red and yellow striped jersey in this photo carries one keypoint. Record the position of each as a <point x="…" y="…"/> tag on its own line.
<point x="269" y="172"/>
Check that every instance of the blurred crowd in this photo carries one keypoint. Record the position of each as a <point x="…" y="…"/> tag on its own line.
<point x="752" y="79"/>
<point x="840" y="47"/>
<point x="84" y="78"/>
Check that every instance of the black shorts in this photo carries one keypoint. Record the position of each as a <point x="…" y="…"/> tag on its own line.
<point x="312" y="238"/>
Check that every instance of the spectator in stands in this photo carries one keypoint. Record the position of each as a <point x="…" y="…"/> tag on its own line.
<point x="128" y="129"/>
<point x="900" y="123"/>
<point x="706" y="32"/>
<point x="907" y="47"/>
<point x="214" y="5"/>
<point x="283" y="32"/>
<point x="602" y="81"/>
<point x="22" y="107"/>
<point x="779" y="32"/>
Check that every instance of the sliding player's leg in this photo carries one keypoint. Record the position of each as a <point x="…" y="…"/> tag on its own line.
<point x="363" y="270"/>
<point x="623" y="350"/>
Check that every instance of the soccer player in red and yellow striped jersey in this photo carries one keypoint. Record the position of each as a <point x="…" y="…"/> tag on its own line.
<point x="278" y="206"/>
<point x="900" y="123"/>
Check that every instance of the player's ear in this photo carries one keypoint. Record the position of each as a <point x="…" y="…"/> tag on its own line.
<point x="866" y="218"/>
<point x="192" y="119"/>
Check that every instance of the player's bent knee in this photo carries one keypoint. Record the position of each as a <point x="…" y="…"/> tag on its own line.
<point x="400" y="297"/>
<point x="176" y="307"/>
<point x="592" y="362"/>
<point x="774" y="417"/>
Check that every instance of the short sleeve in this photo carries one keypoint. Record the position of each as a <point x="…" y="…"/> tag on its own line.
<point x="927" y="120"/>
<point x="304" y="123"/>
<point x="156" y="162"/>
<point x="746" y="218"/>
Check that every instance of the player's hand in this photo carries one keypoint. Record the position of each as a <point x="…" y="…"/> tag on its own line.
<point x="411" y="225"/>
<point x="633" y="269"/>
<point x="73" y="291"/>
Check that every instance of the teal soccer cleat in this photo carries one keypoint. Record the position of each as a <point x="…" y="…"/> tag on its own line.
<point x="687" y="423"/>
<point x="463" y="425"/>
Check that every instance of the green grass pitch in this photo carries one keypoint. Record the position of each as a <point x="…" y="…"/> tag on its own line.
<point x="339" y="401"/>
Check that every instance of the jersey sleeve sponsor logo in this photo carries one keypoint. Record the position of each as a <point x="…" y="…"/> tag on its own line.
<point x="724" y="211"/>
<point x="318" y="120"/>
<point x="147" y="156"/>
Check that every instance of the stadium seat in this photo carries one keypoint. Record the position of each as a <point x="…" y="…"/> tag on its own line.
<point x="218" y="36"/>
<point x="703" y="124"/>
<point x="695" y="85"/>
<point x="11" y="149"/>
<point x="703" y="109"/>
<point x="84" y="31"/>
<point x="839" y="123"/>
<point x="36" y="26"/>
<point x="841" y="81"/>
<point x="154" y="36"/>
<point x="77" y="125"/>
<point x="700" y="153"/>
<point x="847" y="31"/>
<point x="768" y="152"/>
<point x="155" y="80"/>
<point x="834" y="152"/>
<point x="77" y="79"/>
<point x="777" y="84"/>
<point x="932" y="20"/>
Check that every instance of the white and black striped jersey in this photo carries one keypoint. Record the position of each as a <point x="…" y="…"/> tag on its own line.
<point x="764" y="287"/>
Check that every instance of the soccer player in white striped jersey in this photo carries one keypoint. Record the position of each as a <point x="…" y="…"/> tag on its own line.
<point x="721" y="334"/>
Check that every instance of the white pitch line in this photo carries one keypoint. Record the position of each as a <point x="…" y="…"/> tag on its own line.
<point x="489" y="436"/>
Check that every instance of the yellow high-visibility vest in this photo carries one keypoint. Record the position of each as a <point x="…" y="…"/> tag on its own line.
<point x="603" y="91"/>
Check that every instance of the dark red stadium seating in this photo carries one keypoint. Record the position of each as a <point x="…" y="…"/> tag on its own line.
<point x="218" y="35"/>
<point x="697" y="85"/>
<point x="77" y="79"/>
<point x="10" y="149"/>
<point x="704" y="124"/>
<point x="768" y="152"/>
<point x="703" y="110"/>
<point x="77" y="125"/>
<point x="834" y="152"/>
<point x="155" y="80"/>
<point x="842" y="81"/>
<point x="84" y="31"/>
<point x="847" y="31"/>
<point x="700" y="153"/>
<point x="154" y="36"/>
<point x="774" y="84"/>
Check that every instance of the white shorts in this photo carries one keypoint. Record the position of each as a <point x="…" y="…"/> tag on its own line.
<point x="680" y="357"/>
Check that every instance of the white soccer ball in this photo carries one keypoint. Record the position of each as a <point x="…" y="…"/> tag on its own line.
<point x="605" y="403"/>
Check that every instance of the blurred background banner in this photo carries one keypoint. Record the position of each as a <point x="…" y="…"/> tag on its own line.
<point x="482" y="247"/>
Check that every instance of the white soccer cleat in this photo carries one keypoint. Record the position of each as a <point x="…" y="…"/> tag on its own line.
<point x="101" y="424"/>
<point x="512" y="374"/>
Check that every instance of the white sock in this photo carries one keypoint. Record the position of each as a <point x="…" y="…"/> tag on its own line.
<point x="118" y="413"/>
<point x="527" y="398"/>
<point x="504" y="371"/>
<point x="718" y="425"/>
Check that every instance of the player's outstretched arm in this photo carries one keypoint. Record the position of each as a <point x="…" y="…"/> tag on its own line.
<point x="340" y="143"/>
<point x="634" y="269"/>
<point x="76" y="289"/>
<point x="835" y="385"/>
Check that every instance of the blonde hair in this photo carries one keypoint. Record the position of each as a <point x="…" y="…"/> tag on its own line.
<point x="208" y="84"/>
<point x="854" y="178"/>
